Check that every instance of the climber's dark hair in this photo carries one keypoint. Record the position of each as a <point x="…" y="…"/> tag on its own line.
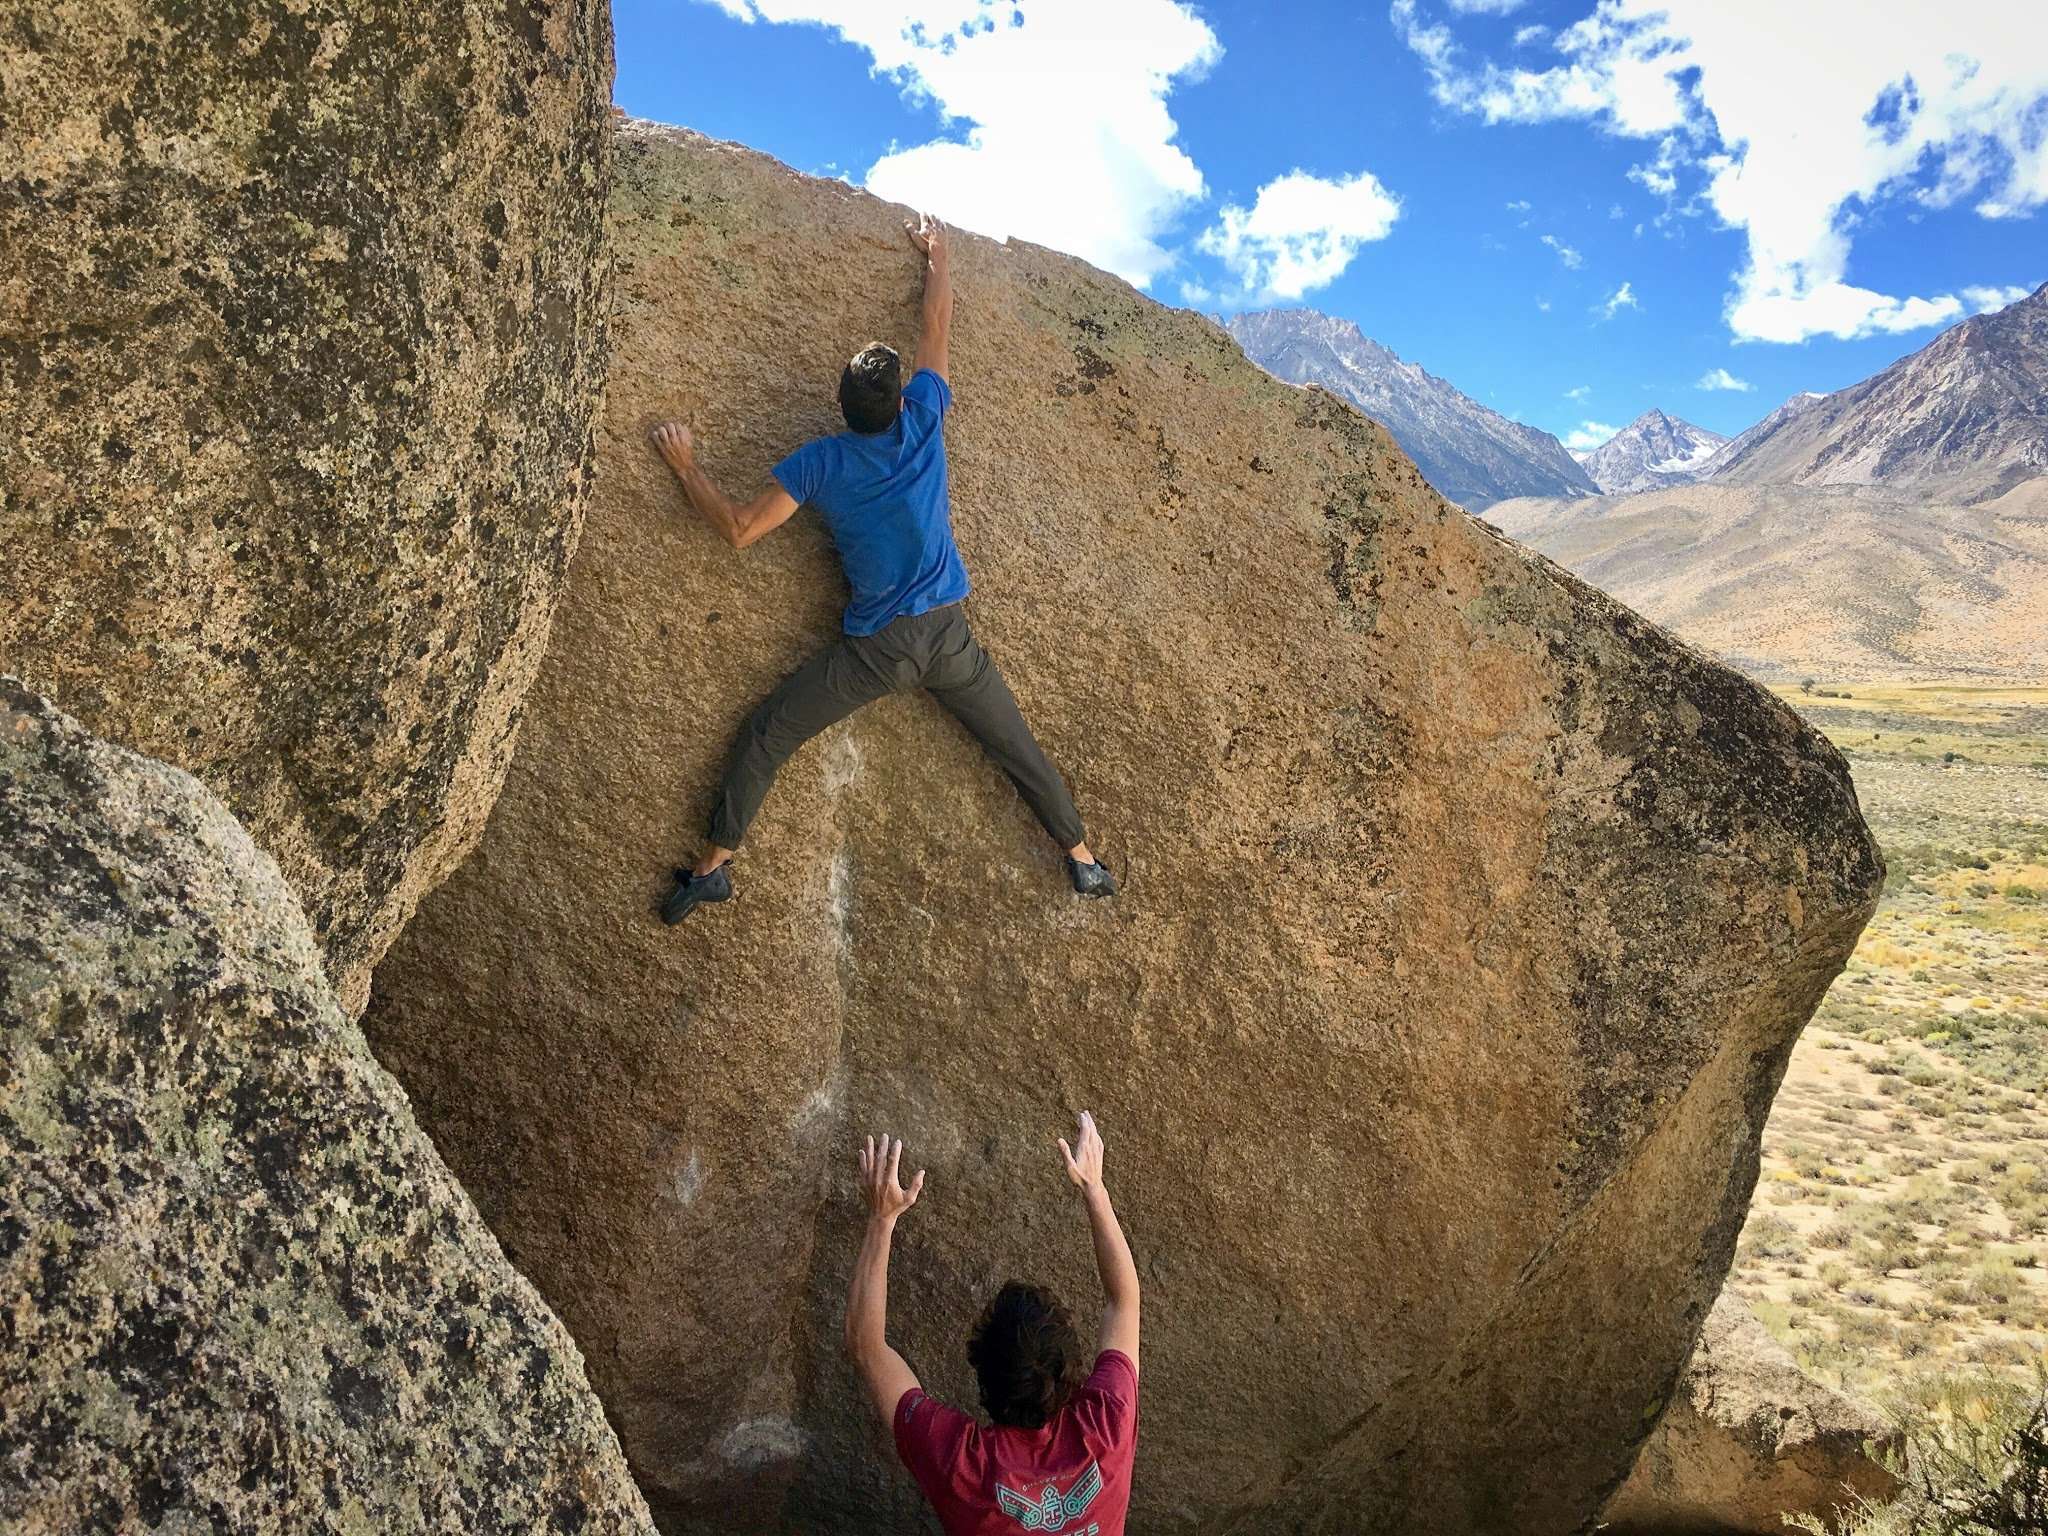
<point x="1025" y="1355"/>
<point x="871" y="389"/>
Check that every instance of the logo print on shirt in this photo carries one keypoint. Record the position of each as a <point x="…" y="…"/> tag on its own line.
<point x="1053" y="1509"/>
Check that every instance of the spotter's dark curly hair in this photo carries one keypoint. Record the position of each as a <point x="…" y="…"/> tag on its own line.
<point x="1025" y="1354"/>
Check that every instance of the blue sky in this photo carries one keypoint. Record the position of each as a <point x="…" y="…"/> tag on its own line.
<point x="1572" y="211"/>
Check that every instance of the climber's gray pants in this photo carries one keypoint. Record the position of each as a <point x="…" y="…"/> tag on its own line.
<point x="933" y="651"/>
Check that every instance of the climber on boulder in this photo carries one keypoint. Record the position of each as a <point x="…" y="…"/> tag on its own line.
<point x="1057" y="1455"/>
<point x="881" y="488"/>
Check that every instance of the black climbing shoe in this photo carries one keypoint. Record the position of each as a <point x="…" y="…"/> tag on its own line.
<point x="693" y="890"/>
<point x="1090" y="879"/>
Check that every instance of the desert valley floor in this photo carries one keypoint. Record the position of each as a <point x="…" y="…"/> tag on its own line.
<point x="1900" y="1227"/>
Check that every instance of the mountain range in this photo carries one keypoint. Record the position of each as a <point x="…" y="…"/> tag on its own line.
<point x="1651" y="452"/>
<point x="1965" y="418"/>
<point x="1473" y="455"/>
<point x="1895" y="527"/>
<point x="1743" y="441"/>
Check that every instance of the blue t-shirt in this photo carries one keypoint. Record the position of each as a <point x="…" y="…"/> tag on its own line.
<point x="883" y="496"/>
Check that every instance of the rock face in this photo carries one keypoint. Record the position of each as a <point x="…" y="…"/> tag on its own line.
<point x="1748" y="1439"/>
<point x="243" y="1292"/>
<point x="1473" y="455"/>
<point x="1651" y="452"/>
<point x="1964" y="419"/>
<point x="1467" y="922"/>
<point x="301" y="336"/>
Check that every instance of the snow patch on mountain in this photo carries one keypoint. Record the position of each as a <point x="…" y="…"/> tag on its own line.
<point x="1653" y="451"/>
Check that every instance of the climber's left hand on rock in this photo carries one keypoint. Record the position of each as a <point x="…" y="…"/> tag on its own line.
<point x="673" y="440"/>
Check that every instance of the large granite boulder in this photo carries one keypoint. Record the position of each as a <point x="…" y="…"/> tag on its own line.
<point x="301" y="336"/>
<point x="241" y="1292"/>
<point x="1467" y="922"/>
<point x="1748" y="1439"/>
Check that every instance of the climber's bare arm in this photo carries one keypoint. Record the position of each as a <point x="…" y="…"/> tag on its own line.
<point x="738" y="523"/>
<point x="887" y="1374"/>
<point x="929" y="236"/>
<point x="1112" y="1254"/>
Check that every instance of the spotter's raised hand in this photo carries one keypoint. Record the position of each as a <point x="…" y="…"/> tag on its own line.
<point x="1084" y="1157"/>
<point x="879" y="1185"/>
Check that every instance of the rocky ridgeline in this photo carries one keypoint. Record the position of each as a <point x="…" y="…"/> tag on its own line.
<point x="1474" y="455"/>
<point x="1467" y="924"/>
<point x="1960" y="420"/>
<point x="1468" y="920"/>
<point x="1653" y="450"/>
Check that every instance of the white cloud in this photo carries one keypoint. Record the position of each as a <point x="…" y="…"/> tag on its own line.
<point x="1301" y="232"/>
<point x="1485" y="7"/>
<point x="1984" y="300"/>
<point x="1519" y="205"/>
<point x="1612" y="70"/>
<point x="1544" y="305"/>
<point x="1565" y="253"/>
<point x="1932" y="102"/>
<point x="1660" y="176"/>
<point x="1622" y="298"/>
<point x="1526" y="37"/>
<point x="1580" y="393"/>
<point x="1721" y="378"/>
<point x="1196" y="293"/>
<point x="1067" y="138"/>
<point x="1588" y="435"/>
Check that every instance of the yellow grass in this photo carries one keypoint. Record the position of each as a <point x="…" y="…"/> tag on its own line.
<point x="1901" y="1222"/>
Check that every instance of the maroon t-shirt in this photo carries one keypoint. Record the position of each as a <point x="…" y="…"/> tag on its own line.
<point x="1071" y="1478"/>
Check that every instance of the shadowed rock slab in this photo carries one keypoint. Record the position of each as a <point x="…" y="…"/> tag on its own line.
<point x="1467" y="922"/>
<point x="1748" y="1439"/>
<point x="243" y="1293"/>
<point x="301" y="335"/>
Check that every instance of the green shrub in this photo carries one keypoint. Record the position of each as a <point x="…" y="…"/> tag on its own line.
<point x="1770" y="1236"/>
<point x="1994" y="1281"/>
<point x="1882" y="1258"/>
<point x="1973" y="1462"/>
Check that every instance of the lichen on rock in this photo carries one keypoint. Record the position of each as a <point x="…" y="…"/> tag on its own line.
<point x="1468" y="921"/>
<point x="301" y="335"/>
<point x="241" y="1291"/>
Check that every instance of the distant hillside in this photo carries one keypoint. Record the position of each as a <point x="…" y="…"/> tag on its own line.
<point x="1653" y="451"/>
<point x="1964" y="418"/>
<point x="1792" y="581"/>
<point x="1738" y="446"/>
<point x="1473" y="455"/>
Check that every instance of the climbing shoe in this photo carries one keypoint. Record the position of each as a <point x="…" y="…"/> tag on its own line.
<point x="693" y="890"/>
<point x="1090" y="879"/>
